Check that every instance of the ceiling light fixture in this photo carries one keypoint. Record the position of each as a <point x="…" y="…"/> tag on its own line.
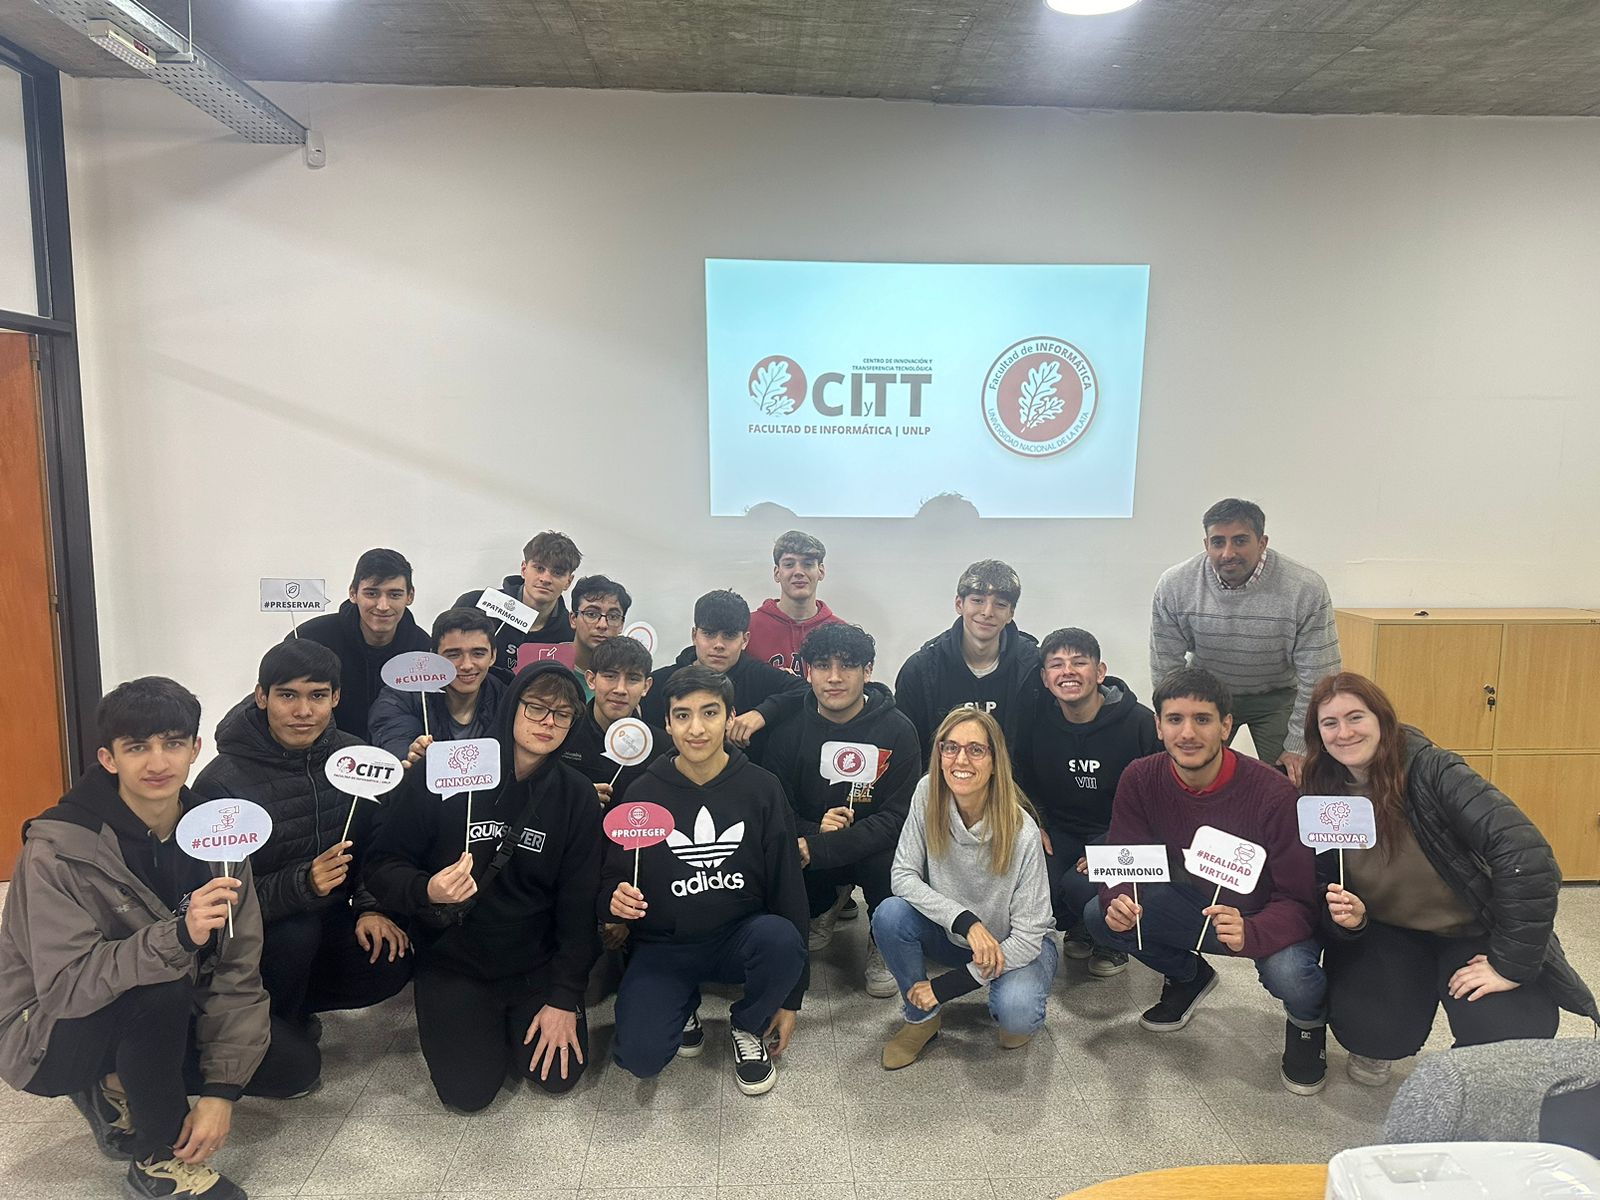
<point x="1088" y="8"/>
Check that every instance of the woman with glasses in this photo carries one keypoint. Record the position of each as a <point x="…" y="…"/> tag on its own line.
<point x="970" y="893"/>
<point x="504" y="930"/>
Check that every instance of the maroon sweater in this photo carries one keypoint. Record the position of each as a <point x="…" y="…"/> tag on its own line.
<point x="1258" y="803"/>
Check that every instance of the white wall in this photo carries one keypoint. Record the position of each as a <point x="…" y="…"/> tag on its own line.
<point x="1382" y="329"/>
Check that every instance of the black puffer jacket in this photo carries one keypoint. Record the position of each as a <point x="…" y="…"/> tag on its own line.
<point x="1496" y="860"/>
<point x="308" y="812"/>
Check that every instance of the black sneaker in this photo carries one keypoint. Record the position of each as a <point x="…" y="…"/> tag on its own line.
<point x="850" y="910"/>
<point x="173" y="1179"/>
<point x="1179" y="1000"/>
<point x="752" y="1065"/>
<point x="1305" y="1058"/>
<point x="694" y="1038"/>
<point x="109" y="1120"/>
<point x="1077" y="943"/>
<point x="1103" y="963"/>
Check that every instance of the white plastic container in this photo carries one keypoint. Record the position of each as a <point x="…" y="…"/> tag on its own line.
<point x="1463" y="1171"/>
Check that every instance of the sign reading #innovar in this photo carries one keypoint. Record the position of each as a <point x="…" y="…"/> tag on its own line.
<point x="469" y="765"/>
<point x="1337" y="822"/>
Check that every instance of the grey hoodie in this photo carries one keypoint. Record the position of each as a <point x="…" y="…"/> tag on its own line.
<point x="1014" y="908"/>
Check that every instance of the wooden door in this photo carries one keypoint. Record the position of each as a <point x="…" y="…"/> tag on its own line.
<point x="1549" y="688"/>
<point x="30" y="706"/>
<point x="1561" y="795"/>
<point x="1435" y="674"/>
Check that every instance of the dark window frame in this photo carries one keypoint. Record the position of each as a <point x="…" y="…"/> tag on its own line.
<point x="61" y="402"/>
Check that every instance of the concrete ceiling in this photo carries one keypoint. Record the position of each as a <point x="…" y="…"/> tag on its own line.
<point x="1513" y="57"/>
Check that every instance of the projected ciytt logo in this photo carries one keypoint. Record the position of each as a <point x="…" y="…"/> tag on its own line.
<point x="777" y="386"/>
<point x="1039" y="397"/>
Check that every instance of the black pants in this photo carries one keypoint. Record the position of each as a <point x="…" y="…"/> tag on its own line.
<point x="1385" y="987"/>
<point x="472" y="1034"/>
<point x="872" y="873"/>
<point x="1070" y="892"/>
<point x="1572" y="1119"/>
<point x="146" y="1037"/>
<point x="311" y="963"/>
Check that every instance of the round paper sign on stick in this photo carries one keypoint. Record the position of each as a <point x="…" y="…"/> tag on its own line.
<point x="629" y="741"/>
<point x="644" y="633"/>
<point x="635" y="826"/>
<point x="418" y="671"/>
<point x="224" y="831"/>
<point x="364" y="771"/>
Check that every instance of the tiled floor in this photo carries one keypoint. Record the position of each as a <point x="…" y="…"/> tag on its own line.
<point x="1094" y="1096"/>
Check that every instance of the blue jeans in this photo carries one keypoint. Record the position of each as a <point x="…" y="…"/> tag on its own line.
<point x="1172" y="919"/>
<point x="907" y="940"/>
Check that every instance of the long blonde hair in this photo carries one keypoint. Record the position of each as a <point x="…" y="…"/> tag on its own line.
<point x="1003" y="802"/>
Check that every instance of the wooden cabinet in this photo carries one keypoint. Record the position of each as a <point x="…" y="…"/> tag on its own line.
<point x="1516" y="691"/>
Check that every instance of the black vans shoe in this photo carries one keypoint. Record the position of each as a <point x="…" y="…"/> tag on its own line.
<point x="694" y="1038"/>
<point x="752" y="1065"/>
<point x="173" y="1179"/>
<point x="1305" y="1059"/>
<point x="108" y="1117"/>
<point x="1179" y="1000"/>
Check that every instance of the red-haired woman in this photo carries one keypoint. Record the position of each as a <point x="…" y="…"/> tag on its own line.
<point x="1456" y="904"/>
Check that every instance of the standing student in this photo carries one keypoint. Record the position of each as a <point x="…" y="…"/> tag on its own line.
<point x="1455" y="906"/>
<point x="618" y="678"/>
<point x="328" y="945"/>
<point x="970" y="893"/>
<point x="762" y="695"/>
<point x="983" y="661"/>
<point x="599" y="608"/>
<point x="721" y="901"/>
<point x="368" y="629"/>
<point x="779" y="626"/>
<point x="1075" y="737"/>
<point x="549" y="561"/>
<point x="505" y="930"/>
<point x="468" y="706"/>
<point x="848" y="833"/>
<point x="120" y="983"/>
<point x="1257" y="620"/>
<point x="1162" y="800"/>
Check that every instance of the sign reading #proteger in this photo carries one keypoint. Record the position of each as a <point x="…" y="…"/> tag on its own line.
<point x="294" y="595"/>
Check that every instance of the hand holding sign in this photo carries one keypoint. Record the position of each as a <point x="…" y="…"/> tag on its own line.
<point x="1229" y="862"/>
<point x="1338" y="823"/>
<point x="361" y="771"/>
<point x="628" y="743"/>
<point x="507" y="609"/>
<point x="633" y="827"/>
<point x="470" y="765"/>
<point x="224" y="831"/>
<point x="419" y="671"/>
<point x="1112" y="865"/>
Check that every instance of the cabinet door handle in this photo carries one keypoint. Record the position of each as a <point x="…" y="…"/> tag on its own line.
<point x="1491" y="694"/>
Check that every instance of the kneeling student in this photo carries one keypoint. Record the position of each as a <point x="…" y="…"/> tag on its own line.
<point x="721" y="901"/>
<point x="504" y="931"/>
<point x="1163" y="799"/>
<point x="970" y="893"/>
<point x="619" y="678"/>
<point x="848" y="832"/>
<point x="120" y="983"/>
<point x="467" y="708"/>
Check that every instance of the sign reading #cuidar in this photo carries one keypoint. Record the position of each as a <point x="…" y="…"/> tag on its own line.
<point x="293" y="595"/>
<point x="224" y="831"/>
<point x="418" y="671"/>
<point x="508" y="609"/>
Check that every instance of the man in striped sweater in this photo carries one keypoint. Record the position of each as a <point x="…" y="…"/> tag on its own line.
<point x="1259" y="621"/>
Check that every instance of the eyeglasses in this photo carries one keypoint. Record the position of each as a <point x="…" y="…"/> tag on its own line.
<point x="594" y="616"/>
<point x="976" y="751"/>
<point x="539" y="713"/>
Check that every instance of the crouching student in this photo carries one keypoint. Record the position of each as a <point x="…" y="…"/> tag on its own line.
<point x="619" y="679"/>
<point x="120" y="984"/>
<point x="1162" y="800"/>
<point x="505" y="930"/>
<point x="721" y="901"/>
<point x="971" y="893"/>
<point x="467" y="708"/>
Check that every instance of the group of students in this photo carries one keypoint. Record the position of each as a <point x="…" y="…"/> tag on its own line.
<point x="1000" y="761"/>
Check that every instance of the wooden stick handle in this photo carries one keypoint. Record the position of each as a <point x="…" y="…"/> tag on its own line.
<point x="345" y="836"/>
<point x="1215" y="896"/>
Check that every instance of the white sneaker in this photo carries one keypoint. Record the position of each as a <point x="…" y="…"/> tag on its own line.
<point x="880" y="981"/>
<point x="822" y="929"/>
<point x="1368" y="1072"/>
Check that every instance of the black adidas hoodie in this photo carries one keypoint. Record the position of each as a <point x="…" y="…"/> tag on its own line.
<point x="757" y="687"/>
<point x="936" y="679"/>
<point x="536" y="918"/>
<point x="732" y="855"/>
<point x="794" y="755"/>
<point x="1069" y="771"/>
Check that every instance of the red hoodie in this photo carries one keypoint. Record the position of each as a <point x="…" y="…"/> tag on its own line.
<point x="775" y="639"/>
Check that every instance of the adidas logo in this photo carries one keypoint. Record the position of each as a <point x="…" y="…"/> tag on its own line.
<point x="706" y="850"/>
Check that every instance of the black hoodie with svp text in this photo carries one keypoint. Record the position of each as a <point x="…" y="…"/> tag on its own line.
<point x="733" y="854"/>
